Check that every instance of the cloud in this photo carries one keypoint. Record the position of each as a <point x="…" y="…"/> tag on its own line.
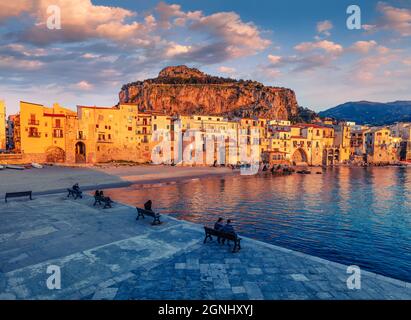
<point x="327" y="46"/>
<point x="363" y="46"/>
<point x="227" y="70"/>
<point x="241" y="39"/>
<point x="393" y="19"/>
<point x="371" y="68"/>
<point x="82" y="20"/>
<point x="12" y="63"/>
<point x="324" y="27"/>
<point x="274" y="59"/>
<point x="84" y="85"/>
<point x="177" y="49"/>
<point x="10" y="9"/>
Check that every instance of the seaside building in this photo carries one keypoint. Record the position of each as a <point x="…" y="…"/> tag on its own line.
<point x="42" y="132"/>
<point x="10" y="132"/>
<point x="381" y="147"/>
<point x="403" y="131"/>
<point x="119" y="133"/>
<point x="3" y="137"/>
<point x="357" y="144"/>
<point x="96" y="134"/>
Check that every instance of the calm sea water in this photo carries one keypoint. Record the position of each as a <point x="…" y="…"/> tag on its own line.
<point x="358" y="216"/>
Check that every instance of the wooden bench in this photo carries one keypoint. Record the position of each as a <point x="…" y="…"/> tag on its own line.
<point x="18" y="194"/>
<point x="99" y="200"/>
<point x="143" y="212"/>
<point x="74" y="193"/>
<point x="209" y="232"/>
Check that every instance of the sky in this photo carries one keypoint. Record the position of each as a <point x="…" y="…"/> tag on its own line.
<point x="302" y="45"/>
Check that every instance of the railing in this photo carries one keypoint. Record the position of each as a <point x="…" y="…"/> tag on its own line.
<point x="32" y="122"/>
<point x="34" y="135"/>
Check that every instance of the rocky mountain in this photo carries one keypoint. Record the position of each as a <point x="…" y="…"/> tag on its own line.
<point x="184" y="90"/>
<point x="373" y="113"/>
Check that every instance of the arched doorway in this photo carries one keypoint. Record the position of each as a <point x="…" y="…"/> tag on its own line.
<point x="80" y="152"/>
<point x="299" y="156"/>
<point x="55" y="154"/>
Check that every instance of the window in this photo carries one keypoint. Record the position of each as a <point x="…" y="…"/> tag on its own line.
<point x="130" y="128"/>
<point x="58" y="133"/>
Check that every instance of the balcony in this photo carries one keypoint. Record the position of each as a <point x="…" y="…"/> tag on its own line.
<point x="33" y="122"/>
<point x="34" y="134"/>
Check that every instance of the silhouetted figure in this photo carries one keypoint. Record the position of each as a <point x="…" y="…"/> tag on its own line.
<point x="228" y="228"/>
<point x="219" y="224"/>
<point x="147" y="205"/>
<point x="97" y="193"/>
<point x="219" y="227"/>
<point x="76" y="187"/>
<point x="108" y="199"/>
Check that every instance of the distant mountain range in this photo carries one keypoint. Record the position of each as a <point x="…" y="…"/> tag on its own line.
<point x="372" y="113"/>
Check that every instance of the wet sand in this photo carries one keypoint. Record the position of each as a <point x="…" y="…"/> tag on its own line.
<point x="52" y="179"/>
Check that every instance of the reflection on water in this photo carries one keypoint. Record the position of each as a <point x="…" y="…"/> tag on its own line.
<point x="356" y="216"/>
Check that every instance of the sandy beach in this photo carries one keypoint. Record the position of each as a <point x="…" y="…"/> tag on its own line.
<point x="52" y="179"/>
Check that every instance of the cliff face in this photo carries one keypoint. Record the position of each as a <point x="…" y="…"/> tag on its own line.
<point x="182" y="90"/>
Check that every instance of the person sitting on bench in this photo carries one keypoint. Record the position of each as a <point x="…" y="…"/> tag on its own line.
<point x="228" y="228"/>
<point x="97" y="193"/>
<point x="104" y="197"/>
<point x="147" y="205"/>
<point x="219" y="224"/>
<point x="76" y="187"/>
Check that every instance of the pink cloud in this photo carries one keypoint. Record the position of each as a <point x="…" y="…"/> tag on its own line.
<point x="324" y="27"/>
<point x="363" y="46"/>
<point x="274" y="59"/>
<point x="395" y="19"/>
<point x="9" y="9"/>
<point x="327" y="46"/>
<point x="227" y="70"/>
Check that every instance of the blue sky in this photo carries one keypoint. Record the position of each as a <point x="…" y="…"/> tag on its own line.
<point x="303" y="45"/>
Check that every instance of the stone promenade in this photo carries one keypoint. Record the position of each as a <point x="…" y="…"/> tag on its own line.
<point x="107" y="254"/>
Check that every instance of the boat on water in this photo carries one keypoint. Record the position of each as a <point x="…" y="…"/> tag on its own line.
<point x="36" y="165"/>
<point x="304" y="171"/>
<point x="11" y="166"/>
<point x="2" y="167"/>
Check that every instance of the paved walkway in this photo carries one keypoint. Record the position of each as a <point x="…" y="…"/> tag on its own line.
<point x="107" y="254"/>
